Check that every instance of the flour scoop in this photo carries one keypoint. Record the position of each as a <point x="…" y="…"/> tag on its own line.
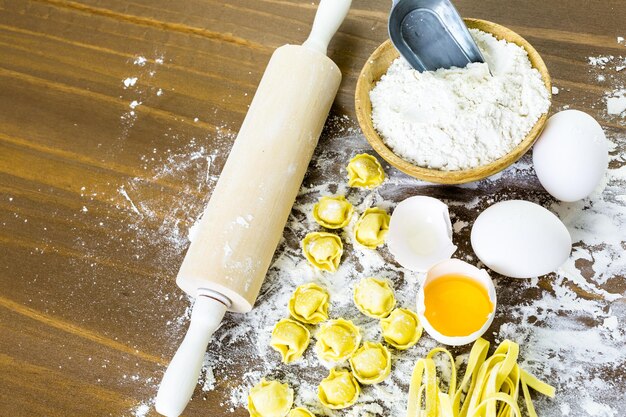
<point x="430" y="34"/>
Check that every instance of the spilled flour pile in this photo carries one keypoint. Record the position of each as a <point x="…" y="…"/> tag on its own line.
<point x="460" y="118"/>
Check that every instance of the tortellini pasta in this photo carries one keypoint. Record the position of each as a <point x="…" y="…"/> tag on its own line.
<point x="270" y="399"/>
<point x="338" y="390"/>
<point x="323" y="250"/>
<point x="290" y="339"/>
<point x="402" y="329"/>
<point x="300" y="412"/>
<point x="364" y="170"/>
<point x="374" y="297"/>
<point x="372" y="228"/>
<point x="371" y="363"/>
<point x="337" y="340"/>
<point x="309" y="304"/>
<point x="333" y="212"/>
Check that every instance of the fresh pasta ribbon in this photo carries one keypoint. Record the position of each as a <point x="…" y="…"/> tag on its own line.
<point x="489" y="388"/>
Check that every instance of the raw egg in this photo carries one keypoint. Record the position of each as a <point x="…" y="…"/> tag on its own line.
<point x="520" y="239"/>
<point x="420" y="233"/>
<point x="456" y="303"/>
<point x="571" y="155"/>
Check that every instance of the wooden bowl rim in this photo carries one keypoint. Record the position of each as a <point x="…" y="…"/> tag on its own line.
<point x="363" y="111"/>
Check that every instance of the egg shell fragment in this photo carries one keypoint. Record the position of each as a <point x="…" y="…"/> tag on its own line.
<point x="420" y="233"/>
<point x="520" y="239"/>
<point x="571" y="156"/>
<point x="448" y="267"/>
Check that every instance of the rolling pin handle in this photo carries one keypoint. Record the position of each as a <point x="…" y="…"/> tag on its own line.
<point x="330" y="14"/>
<point x="181" y="376"/>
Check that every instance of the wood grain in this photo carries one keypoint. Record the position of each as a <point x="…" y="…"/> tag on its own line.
<point x="89" y="307"/>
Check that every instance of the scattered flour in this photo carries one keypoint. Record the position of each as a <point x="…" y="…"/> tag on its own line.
<point x="140" y="60"/>
<point x="129" y="82"/>
<point x="459" y="119"/>
<point x="609" y="69"/>
<point x="141" y="410"/>
<point x="143" y="68"/>
<point x="616" y="102"/>
<point x="570" y="325"/>
<point x="600" y="61"/>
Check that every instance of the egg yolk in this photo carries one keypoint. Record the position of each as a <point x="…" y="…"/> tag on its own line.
<point x="456" y="305"/>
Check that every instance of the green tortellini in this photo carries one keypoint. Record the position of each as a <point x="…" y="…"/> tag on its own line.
<point x="374" y="297"/>
<point x="337" y="340"/>
<point x="364" y="170"/>
<point x="309" y="304"/>
<point x="333" y="212"/>
<point x="323" y="250"/>
<point x="372" y="227"/>
<point x="270" y="399"/>
<point x="338" y="390"/>
<point x="371" y="363"/>
<point x="402" y="329"/>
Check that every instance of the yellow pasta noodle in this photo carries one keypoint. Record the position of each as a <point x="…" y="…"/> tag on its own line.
<point x="364" y="170"/>
<point x="309" y="304"/>
<point x="323" y="250"/>
<point x="401" y="329"/>
<point x="338" y="390"/>
<point x="371" y="363"/>
<point x="337" y="340"/>
<point x="290" y="339"/>
<point x="489" y="388"/>
<point x="300" y="412"/>
<point x="372" y="227"/>
<point x="374" y="297"/>
<point x="333" y="212"/>
<point x="270" y="399"/>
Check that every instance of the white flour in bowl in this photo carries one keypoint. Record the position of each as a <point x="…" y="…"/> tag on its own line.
<point x="458" y="119"/>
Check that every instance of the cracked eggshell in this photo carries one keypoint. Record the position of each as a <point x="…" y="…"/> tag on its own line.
<point x="449" y="267"/>
<point x="520" y="239"/>
<point x="420" y="233"/>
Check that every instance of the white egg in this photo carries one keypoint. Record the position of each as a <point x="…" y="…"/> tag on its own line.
<point x="520" y="239"/>
<point x="449" y="267"/>
<point x="420" y="233"/>
<point x="571" y="155"/>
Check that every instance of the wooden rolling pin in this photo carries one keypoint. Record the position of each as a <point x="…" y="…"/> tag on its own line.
<point x="244" y="220"/>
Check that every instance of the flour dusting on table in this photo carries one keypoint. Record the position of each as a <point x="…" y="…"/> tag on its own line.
<point x="568" y="329"/>
<point x="569" y="325"/>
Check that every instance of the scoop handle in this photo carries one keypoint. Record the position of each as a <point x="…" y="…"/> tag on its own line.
<point x="182" y="374"/>
<point x="330" y="14"/>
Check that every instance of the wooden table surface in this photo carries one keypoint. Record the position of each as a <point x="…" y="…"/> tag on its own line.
<point x="95" y="193"/>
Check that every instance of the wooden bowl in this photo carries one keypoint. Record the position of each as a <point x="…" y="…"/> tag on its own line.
<point x="377" y="65"/>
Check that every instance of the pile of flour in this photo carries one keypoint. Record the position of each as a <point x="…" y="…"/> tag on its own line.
<point x="456" y="119"/>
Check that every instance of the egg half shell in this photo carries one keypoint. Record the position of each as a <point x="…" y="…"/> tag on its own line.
<point x="420" y="233"/>
<point x="571" y="156"/>
<point x="456" y="266"/>
<point x="520" y="239"/>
